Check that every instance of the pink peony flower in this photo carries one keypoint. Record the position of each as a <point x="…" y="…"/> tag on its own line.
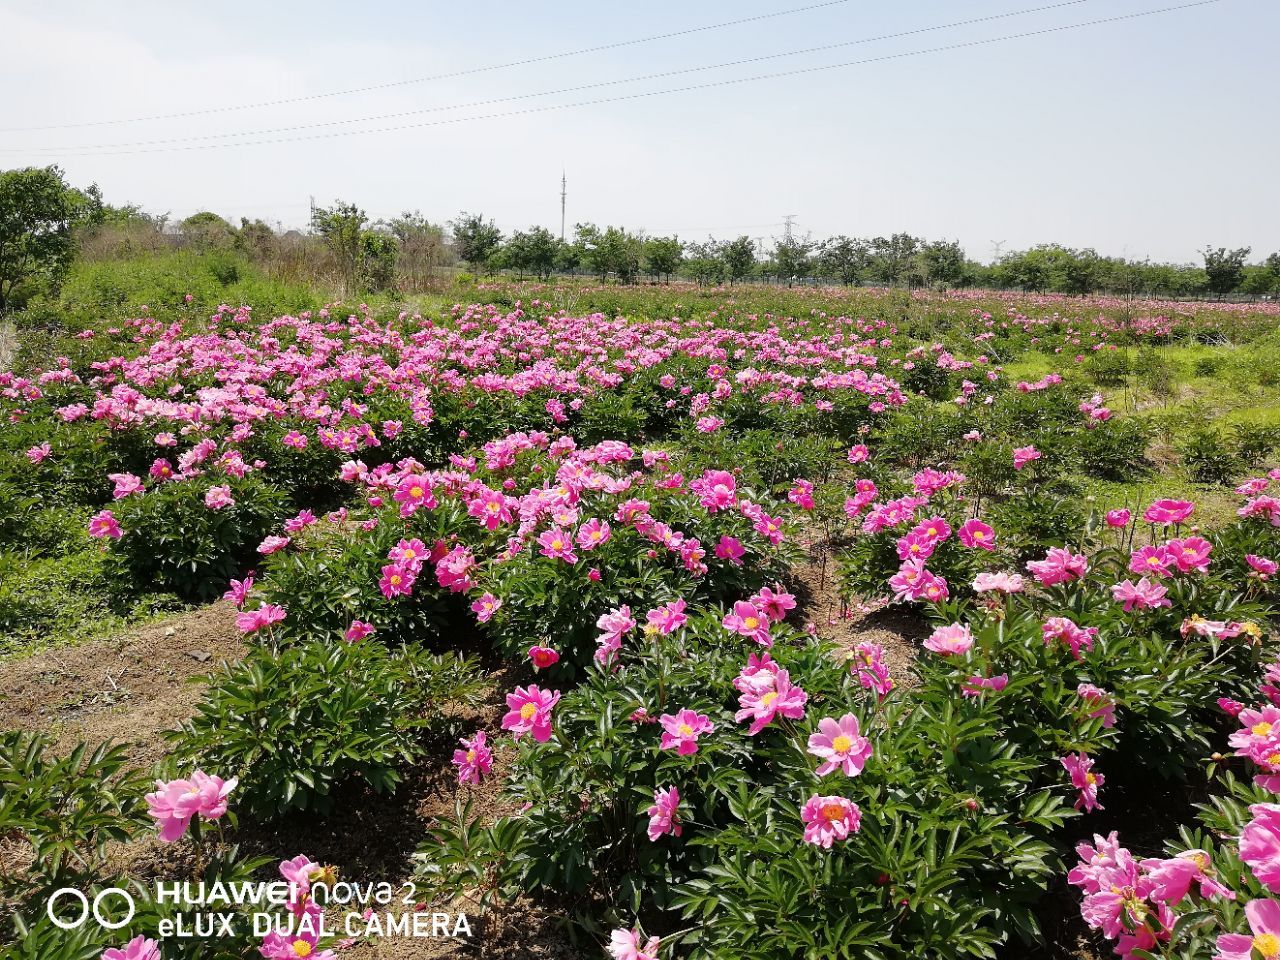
<point x="662" y="815"/>
<point x="529" y="711"/>
<point x="1171" y="879"/>
<point x="238" y="591"/>
<point x="748" y="621"/>
<point x="1098" y="702"/>
<point x="216" y="498"/>
<point x="266" y="616"/>
<point x="828" y="819"/>
<point x="358" y="630"/>
<point x="1154" y="559"/>
<point x="103" y="524"/>
<point x="397" y="580"/>
<point x="952" y="640"/>
<point x="840" y="745"/>
<point x="557" y="545"/>
<point x="730" y="549"/>
<point x="1264" y="941"/>
<point x="1118" y="518"/>
<point x="1264" y="568"/>
<point x="1145" y="594"/>
<point x="668" y="618"/>
<point x="1064" y="630"/>
<point x="475" y="760"/>
<point x="1024" y="455"/>
<point x="543" y="657"/>
<point x="1168" y="511"/>
<point x="1059" y="566"/>
<point x="485" y="607"/>
<point x="762" y="705"/>
<point x="139" y="948"/>
<point x="1260" y="844"/>
<point x="977" y="685"/>
<point x="977" y="534"/>
<point x="999" y="582"/>
<point x="1079" y="766"/>
<point x="681" y="730"/>
<point x="593" y="533"/>
<point x="39" y="453"/>
<point x="625" y="945"/>
<point x="175" y="803"/>
<point x="774" y="604"/>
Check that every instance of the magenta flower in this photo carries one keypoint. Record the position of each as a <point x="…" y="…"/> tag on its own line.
<point x="999" y="582"/>
<point x="681" y="730"/>
<point x="976" y="686"/>
<point x="976" y="534"/>
<point x="951" y="640"/>
<point x="358" y="630"/>
<point x="529" y="711"/>
<point x="746" y="620"/>
<point x="593" y="533"/>
<point x="828" y="819"/>
<point x="485" y="607"/>
<point x="1059" y="566"/>
<point x="859" y="453"/>
<point x="1024" y="455"/>
<point x="557" y="545"/>
<point x="1118" y="518"/>
<point x="615" y="624"/>
<point x="412" y="493"/>
<point x="1168" y="511"/>
<point x="1154" y="559"/>
<point x="1260" y="844"/>
<point x="266" y="616"/>
<point x="774" y="603"/>
<point x="272" y="544"/>
<point x="1065" y="630"/>
<point x="840" y="745"/>
<point x="1145" y="594"/>
<point x="1098" y="702"/>
<point x="126" y="484"/>
<point x="1264" y="943"/>
<point x="1079" y="766"/>
<point x="543" y="657"/>
<point x="1171" y="879"/>
<point x="103" y="524"/>
<point x="410" y="554"/>
<point x="303" y="943"/>
<point x="39" y="453"/>
<point x="802" y="494"/>
<point x="761" y="706"/>
<point x="663" y="814"/>
<point x="397" y="580"/>
<point x="667" y="618"/>
<point x="625" y="945"/>
<point x="238" y="591"/>
<point x="216" y="498"/>
<point x="1262" y="566"/>
<point x="715" y="489"/>
<point x="730" y="549"/>
<point x="1191" y="554"/>
<point x="475" y="760"/>
<point x="139" y="948"/>
<point x="175" y="803"/>
<point x="869" y="666"/>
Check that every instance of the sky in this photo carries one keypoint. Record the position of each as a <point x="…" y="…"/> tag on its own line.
<point x="1148" y="137"/>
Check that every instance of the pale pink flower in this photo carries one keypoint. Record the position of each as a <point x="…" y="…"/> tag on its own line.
<point x="475" y="760"/>
<point x="828" y="819"/>
<point x="529" y="711"/>
<point x="175" y="803"/>
<point x="663" y="814"/>
<point x="950" y="640"/>
<point x="681" y="730"/>
<point x="840" y="745"/>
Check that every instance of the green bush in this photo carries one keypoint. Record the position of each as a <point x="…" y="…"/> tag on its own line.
<point x="295" y="724"/>
<point x="1208" y="457"/>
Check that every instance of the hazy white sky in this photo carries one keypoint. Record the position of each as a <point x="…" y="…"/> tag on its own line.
<point x="1148" y="137"/>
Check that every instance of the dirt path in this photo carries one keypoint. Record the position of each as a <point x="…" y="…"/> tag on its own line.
<point x="129" y="689"/>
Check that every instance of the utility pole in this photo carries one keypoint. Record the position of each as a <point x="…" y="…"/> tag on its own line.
<point x="312" y="221"/>
<point x="563" y="183"/>
<point x="787" y="223"/>
<point x="998" y="245"/>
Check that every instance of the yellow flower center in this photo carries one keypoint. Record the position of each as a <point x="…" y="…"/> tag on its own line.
<point x="685" y="729"/>
<point x="1090" y="779"/>
<point x="557" y="544"/>
<point x="1260" y="729"/>
<point x="301" y="948"/>
<point x="979" y="535"/>
<point x="395" y="579"/>
<point x="751" y="622"/>
<point x="414" y="492"/>
<point x="833" y="812"/>
<point x="528" y="710"/>
<point x="932" y="531"/>
<point x="1267" y="944"/>
<point x="1153" y="561"/>
<point x="492" y="507"/>
<point x="471" y="756"/>
<point x="409" y="553"/>
<point x="769" y="697"/>
<point x="842" y="744"/>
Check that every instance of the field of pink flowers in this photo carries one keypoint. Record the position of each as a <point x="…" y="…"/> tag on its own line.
<point x="571" y="543"/>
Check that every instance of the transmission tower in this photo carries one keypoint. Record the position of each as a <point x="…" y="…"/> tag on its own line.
<point x="787" y="222"/>
<point x="563" y="194"/>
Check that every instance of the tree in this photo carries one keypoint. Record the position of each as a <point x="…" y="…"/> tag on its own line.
<point x="942" y="263"/>
<point x="739" y="258"/>
<point x="206" y="230"/>
<point x="423" y="250"/>
<point x="342" y="226"/>
<point x="662" y="256"/>
<point x="37" y="213"/>
<point x="792" y="258"/>
<point x="1224" y="268"/>
<point x="534" y="250"/>
<point x="891" y="257"/>
<point x="704" y="262"/>
<point x="844" y="259"/>
<point x="611" y="251"/>
<point x="475" y="240"/>
<point x="255" y="238"/>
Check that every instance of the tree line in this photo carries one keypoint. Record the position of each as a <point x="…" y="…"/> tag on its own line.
<point x="45" y="223"/>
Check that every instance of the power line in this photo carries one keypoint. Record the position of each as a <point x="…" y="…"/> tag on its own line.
<point x="439" y="76"/>
<point x="799" y="71"/>
<point x="271" y="131"/>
